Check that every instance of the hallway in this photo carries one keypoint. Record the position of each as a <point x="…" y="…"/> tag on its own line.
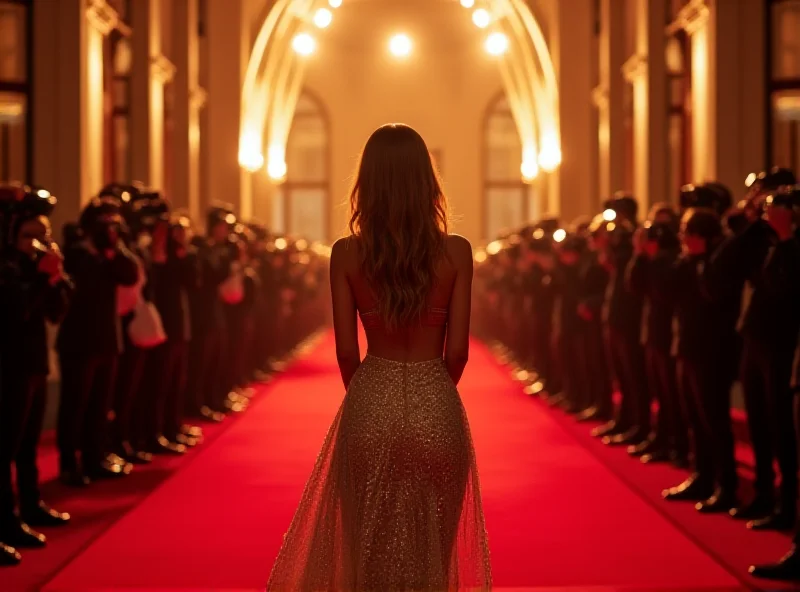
<point x="558" y="516"/>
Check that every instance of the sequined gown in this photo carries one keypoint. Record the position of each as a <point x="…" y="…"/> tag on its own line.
<point x="393" y="502"/>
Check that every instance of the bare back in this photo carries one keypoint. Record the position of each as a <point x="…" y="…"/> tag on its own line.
<point x="444" y="332"/>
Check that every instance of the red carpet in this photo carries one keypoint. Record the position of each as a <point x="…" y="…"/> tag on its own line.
<point x="560" y="514"/>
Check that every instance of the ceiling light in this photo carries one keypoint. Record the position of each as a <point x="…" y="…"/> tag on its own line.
<point x="481" y="18"/>
<point x="400" y="45"/>
<point x="304" y="44"/>
<point x="467" y="3"/>
<point x="496" y="44"/>
<point x="323" y="18"/>
<point x="335" y="3"/>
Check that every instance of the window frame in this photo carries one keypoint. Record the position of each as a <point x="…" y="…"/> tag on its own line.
<point x="775" y="86"/>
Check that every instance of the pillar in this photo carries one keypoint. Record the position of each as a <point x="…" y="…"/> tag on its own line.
<point x="609" y="98"/>
<point x="189" y="100"/>
<point x="151" y="71"/>
<point x="646" y="70"/>
<point x="68" y="104"/>
<point x="227" y="40"/>
<point x="576" y="185"/>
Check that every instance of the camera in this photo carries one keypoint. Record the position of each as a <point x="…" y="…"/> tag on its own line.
<point x="786" y="197"/>
<point x="712" y="196"/>
<point x="19" y="203"/>
<point x="662" y="234"/>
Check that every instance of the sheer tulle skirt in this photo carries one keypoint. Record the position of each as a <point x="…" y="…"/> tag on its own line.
<point x="393" y="502"/>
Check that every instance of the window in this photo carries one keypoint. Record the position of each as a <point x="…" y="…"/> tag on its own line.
<point x="505" y="195"/>
<point x="117" y="63"/>
<point x="679" y="131"/>
<point x="15" y="114"/>
<point x="301" y="203"/>
<point x="783" y="49"/>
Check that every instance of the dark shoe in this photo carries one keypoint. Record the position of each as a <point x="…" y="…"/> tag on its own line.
<point x="535" y="388"/>
<point x="133" y="456"/>
<point x="43" y="515"/>
<point x="782" y="521"/>
<point x="631" y="436"/>
<point x="192" y="430"/>
<point x="691" y="490"/>
<point x="9" y="556"/>
<point x="760" y="507"/>
<point x="607" y="429"/>
<point x="657" y="456"/>
<point x="787" y="569"/>
<point x="110" y="470"/>
<point x="588" y="414"/>
<point x="646" y="446"/>
<point x="721" y="501"/>
<point x="211" y="415"/>
<point x="74" y="478"/>
<point x="163" y="446"/>
<point x="22" y="536"/>
<point x="188" y="441"/>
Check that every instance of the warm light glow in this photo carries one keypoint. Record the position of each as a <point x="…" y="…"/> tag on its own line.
<point x="559" y="235"/>
<point x="550" y="156"/>
<point x="481" y="18"/>
<point x="250" y="156"/>
<point x="496" y="44"/>
<point x="335" y="3"/>
<point x="529" y="167"/>
<point x="480" y="256"/>
<point x="280" y="244"/>
<point x="609" y="215"/>
<point x="467" y="3"/>
<point x="43" y="193"/>
<point x="323" y="18"/>
<point x="538" y="234"/>
<point x="400" y="45"/>
<point x="494" y="247"/>
<point x="304" y="44"/>
<point x="276" y="166"/>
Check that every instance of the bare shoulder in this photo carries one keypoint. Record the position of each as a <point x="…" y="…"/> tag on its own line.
<point x="343" y="252"/>
<point x="459" y="250"/>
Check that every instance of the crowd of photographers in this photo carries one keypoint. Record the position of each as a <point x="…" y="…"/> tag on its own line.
<point x="158" y="331"/>
<point x="673" y="310"/>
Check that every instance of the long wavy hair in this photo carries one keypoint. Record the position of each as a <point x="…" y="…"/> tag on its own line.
<point x="399" y="213"/>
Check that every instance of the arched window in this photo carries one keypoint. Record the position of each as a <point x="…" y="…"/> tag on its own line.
<point x="784" y="72"/>
<point x="506" y="197"/>
<point x="15" y="68"/>
<point x="678" y="59"/>
<point x="118" y="61"/>
<point x="301" y="203"/>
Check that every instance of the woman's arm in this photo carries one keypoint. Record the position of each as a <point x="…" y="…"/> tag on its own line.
<point x="456" y="350"/>
<point x="345" y="325"/>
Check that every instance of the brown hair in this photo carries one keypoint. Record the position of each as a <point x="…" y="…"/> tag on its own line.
<point x="399" y="213"/>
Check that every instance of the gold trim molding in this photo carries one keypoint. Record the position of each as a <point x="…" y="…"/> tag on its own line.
<point x="198" y="97"/>
<point x="101" y="16"/>
<point x="161" y="68"/>
<point x="635" y="67"/>
<point x="691" y="18"/>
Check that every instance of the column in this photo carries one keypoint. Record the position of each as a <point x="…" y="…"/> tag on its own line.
<point x="189" y="100"/>
<point x="68" y="106"/>
<point x="646" y="71"/>
<point x="227" y="40"/>
<point x="576" y="186"/>
<point x="609" y="98"/>
<point x="151" y="71"/>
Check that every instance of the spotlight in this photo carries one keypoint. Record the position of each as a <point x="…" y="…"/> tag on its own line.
<point x="276" y="163"/>
<point x="481" y="18"/>
<point x="467" y="3"/>
<point x="250" y="156"/>
<point x="609" y="215"/>
<point x="304" y="44"/>
<point x="529" y="169"/>
<point x="494" y="247"/>
<point x="400" y="45"/>
<point x="335" y="3"/>
<point x="559" y="235"/>
<point x="323" y="18"/>
<point x="496" y="44"/>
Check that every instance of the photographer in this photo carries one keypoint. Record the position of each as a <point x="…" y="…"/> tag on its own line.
<point x="705" y="344"/>
<point x="89" y="343"/>
<point x="765" y="257"/>
<point x="34" y="290"/>
<point x="652" y="269"/>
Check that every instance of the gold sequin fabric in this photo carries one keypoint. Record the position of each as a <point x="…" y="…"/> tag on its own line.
<point x="393" y="502"/>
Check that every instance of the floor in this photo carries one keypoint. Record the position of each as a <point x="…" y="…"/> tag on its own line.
<point x="563" y="512"/>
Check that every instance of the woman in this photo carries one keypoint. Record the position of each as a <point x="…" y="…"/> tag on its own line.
<point x="393" y="502"/>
